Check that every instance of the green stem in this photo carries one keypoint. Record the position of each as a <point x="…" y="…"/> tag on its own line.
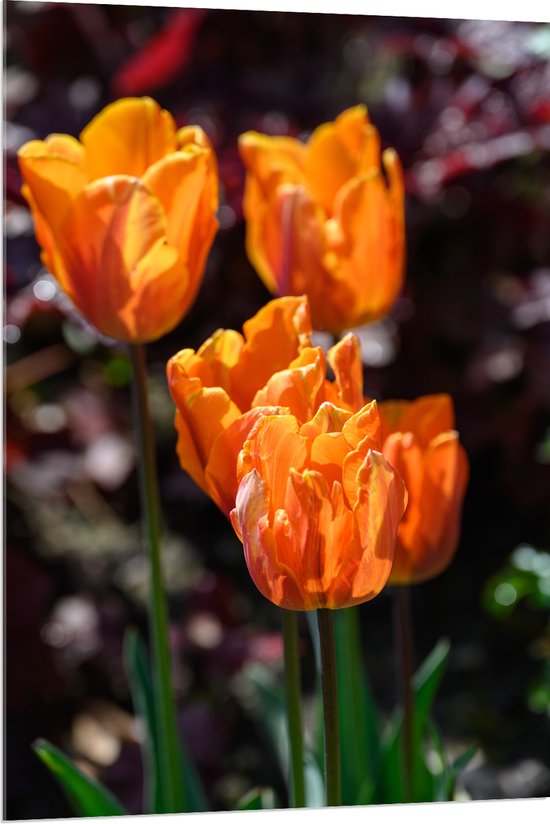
<point x="330" y="706"/>
<point x="353" y="721"/>
<point x="174" y="800"/>
<point x="293" y="707"/>
<point x="404" y="653"/>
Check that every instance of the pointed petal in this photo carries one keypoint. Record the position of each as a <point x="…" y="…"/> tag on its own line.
<point x="221" y="469"/>
<point x="271" y="160"/>
<point x="364" y="429"/>
<point x="251" y="523"/>
<point x="345" y="360"/>
<point x="333" y="153"/>
<point x="127" y="137"/>
<point x="370" y="246"/>
<point x="53" y="178"/>
<point x="427" y="417"/>
<point x="274" y="338"/>
<point x="297" y="387"/>
<point x="380" y="505"/>
<point x="274" y="435"/>
<point x="205" y="411"/>
<point x="186" y="185"/>
<point x="328" y="418"/>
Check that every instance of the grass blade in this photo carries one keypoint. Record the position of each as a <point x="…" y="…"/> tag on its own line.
<point x="87" y="796"/>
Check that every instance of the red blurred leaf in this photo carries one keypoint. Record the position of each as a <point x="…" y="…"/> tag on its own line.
<point x="162" y="57"/>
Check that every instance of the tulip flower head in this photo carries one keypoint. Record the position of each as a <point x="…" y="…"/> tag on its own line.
<point x="273" y="441"/>
<point x="221" y="390"/>
<point x="421" y="444"/>
<point x="125" y="216"/>
<point x="318" y="508"/>
<point x="322" y="220"/>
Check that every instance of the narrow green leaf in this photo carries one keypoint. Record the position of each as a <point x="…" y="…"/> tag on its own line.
<point x="271" y="712"/>
<point x="88" y="796"/>
<point x="359" y="727"/>
<point x="315" y="783"/>
<point x="459" y="764"/>
<point x="425" y="683"/>
<point x="259" y="798"/>
<point x="139" y="674"/>
<point x="428" y="677"/>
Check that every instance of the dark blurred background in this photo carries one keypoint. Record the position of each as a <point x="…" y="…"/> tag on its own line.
<point x="467" y="106"/>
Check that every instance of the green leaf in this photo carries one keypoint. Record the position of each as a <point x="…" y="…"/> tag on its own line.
<point x="359" y="726"/>
<point x="271" y="711"/>
<point x="425" y="683"/>
<point x="139" y="675"/>
<point x="428" y="676"/>
<point x="88" y="796"/>
<point x="459" y="764"/>
<point x="314" y="781"/>
<point x="137" y="671"/>
<point x="259" y="798"/>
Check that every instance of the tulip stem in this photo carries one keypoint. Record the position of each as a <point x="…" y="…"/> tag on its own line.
<point x="174" y="800"/>
<point x="293" y="707"/>
<point x="329" y="679"/>
<point x="404" y="642"/>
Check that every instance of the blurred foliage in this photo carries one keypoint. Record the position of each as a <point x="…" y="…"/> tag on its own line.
<point x="523" y="586"/>
<point x="466" y="105"/>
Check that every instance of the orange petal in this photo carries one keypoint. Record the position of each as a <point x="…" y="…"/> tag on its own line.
<point x="345" y="360"/>
<point x="301" y="535"/>
<point x="380" y="505"/>
<point x="286" y="243"/>
<point x="406" y="457"/>
<point x="274" y="338"/>
<point x="274" y="435"/>
<point x="207" y="411"/>
<point x="333" y="154"/>
<point x="328" y="418"/>
<point x="123" y="275"/>
<point x="192" y="136"/>
<point x="186" y="185"/>
<point x="370" y="248"/>
<point x="328" y="452"/>
<point x="68" y="147"/>
<point x="53" y="178"/>
<point x="446" y="477"/>
<point x="251" y="523"/>
<point x="221" y="469"/>
<point x="427" y="417"/>
<point x="428" y="536"/>
<point x="271" y="160"/>
<point x="363" y="430"/>
<point x="127" y="137"/>
<point x="296" y="387"/>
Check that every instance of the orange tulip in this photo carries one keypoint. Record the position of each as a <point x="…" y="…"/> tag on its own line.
<point x="322" y="220"/>
<point x="318" y="507"/>
<point x="215" y="391"/>
<point x="421" y="444"/>
<point x="125" y="216"/>
<point x="221" y="390"/>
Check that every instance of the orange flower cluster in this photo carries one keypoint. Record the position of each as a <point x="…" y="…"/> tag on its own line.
<point x="125" y="216"/>
<point x="318" y="505"/>
<point x="260" y="424"/>
<point x="322" y="221"/>
<point x="312" y="474"/>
